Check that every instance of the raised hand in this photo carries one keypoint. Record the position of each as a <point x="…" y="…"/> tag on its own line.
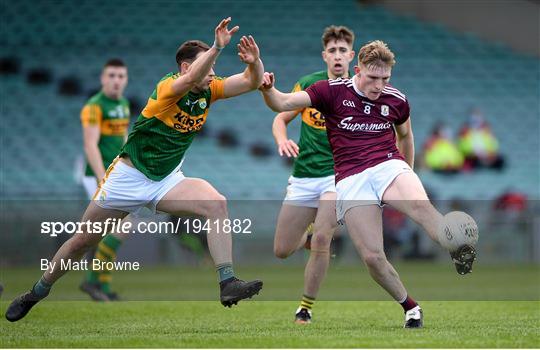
<point x="223" y="34"/>
<point x="248" y="51"/>
<point x="268" y="81"/>
<point x="289" y="148"/>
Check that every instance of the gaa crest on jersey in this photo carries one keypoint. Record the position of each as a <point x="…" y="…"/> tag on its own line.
<point x="118" y="112"/>
<point x="202" y="103"/>
<point x="385" y="110"/>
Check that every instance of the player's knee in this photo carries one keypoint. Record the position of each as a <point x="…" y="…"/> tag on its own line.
<point x="320" y="242"/>
<point x="322" y="232"/>
<point x="281" y="251"/>
<point x="374" y="260"/>
<point x="216" y="207"/>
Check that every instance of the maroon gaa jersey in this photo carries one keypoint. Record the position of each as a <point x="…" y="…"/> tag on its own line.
<point x="360" y="131"/>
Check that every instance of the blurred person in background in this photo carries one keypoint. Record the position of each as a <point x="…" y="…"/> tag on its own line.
<point x="394" y="231"/>
<point x="478" y="144"/>
<point x="512" y="217"/>
<point x="510" y="207"/>
<point x="511" y="201"/>
<point x="440" y="153"/>
<point x="105" y="122"/>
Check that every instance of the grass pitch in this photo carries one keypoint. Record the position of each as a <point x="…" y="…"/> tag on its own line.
<point x="501" y="322"/>
<point x="269" y="324"/>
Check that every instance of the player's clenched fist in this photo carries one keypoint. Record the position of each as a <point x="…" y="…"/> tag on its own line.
<point x="268" y="81"/>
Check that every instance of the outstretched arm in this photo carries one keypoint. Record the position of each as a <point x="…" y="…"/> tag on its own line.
<point x="200" y="68"/>
<point x="279" y="101"/>
<point x="405" y="141"/>
<point x="251" y="78"/>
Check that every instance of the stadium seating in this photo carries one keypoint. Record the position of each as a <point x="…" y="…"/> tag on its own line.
<point x="442" y="72"/>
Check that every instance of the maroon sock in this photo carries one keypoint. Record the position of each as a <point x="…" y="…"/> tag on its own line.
<point x="409" y="303"/>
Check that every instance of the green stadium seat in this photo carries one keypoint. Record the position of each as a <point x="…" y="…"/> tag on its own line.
<point x="443" y="78"/>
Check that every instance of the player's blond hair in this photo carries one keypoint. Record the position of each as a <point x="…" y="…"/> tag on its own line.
<point x="376" y="54"/>
<point x="337" y="33"/>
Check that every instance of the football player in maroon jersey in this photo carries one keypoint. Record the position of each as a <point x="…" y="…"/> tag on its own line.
<point x="370" y="134"/>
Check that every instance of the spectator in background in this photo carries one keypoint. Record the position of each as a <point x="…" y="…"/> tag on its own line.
<point x="478" y="144"/>
<point x="440" y="152"/>
<point x="510" y="205"/>
<point x="509" y="214"/>
<point x="394" y="225"/>
<point x="511" y="201"/>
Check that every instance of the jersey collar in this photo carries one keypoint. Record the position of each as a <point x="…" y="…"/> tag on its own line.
<point x="356" y="88"/>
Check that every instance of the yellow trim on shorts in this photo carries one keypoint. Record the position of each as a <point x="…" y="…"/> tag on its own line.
<point x="107" y="173"/>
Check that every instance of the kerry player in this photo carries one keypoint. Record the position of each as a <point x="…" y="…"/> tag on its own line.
<point x="311" y="193"/>
<point x="105" y="122"/>
<point x="363" y="116"/>
<point x="147" y="172"/>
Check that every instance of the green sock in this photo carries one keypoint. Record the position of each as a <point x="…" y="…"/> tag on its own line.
<point x="91" y="275"/>
<point x="106" y="251"/>
<point x="225" y="271"/>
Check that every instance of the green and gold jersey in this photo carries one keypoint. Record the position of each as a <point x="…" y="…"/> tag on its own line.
<point x="315" y="156"/>
<point x="167" y="125"/>
<point x="112" y="118"/>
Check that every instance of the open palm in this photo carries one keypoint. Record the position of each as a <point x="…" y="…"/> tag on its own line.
<point x="248" y="51"/>
<point x="223" y="34"/>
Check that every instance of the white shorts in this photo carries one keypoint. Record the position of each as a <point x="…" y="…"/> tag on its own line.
<point x="306" y="191"/>
<point x="367" y="187"/>
<point x="90" y="185"/>
<point x="127" y="189"/>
